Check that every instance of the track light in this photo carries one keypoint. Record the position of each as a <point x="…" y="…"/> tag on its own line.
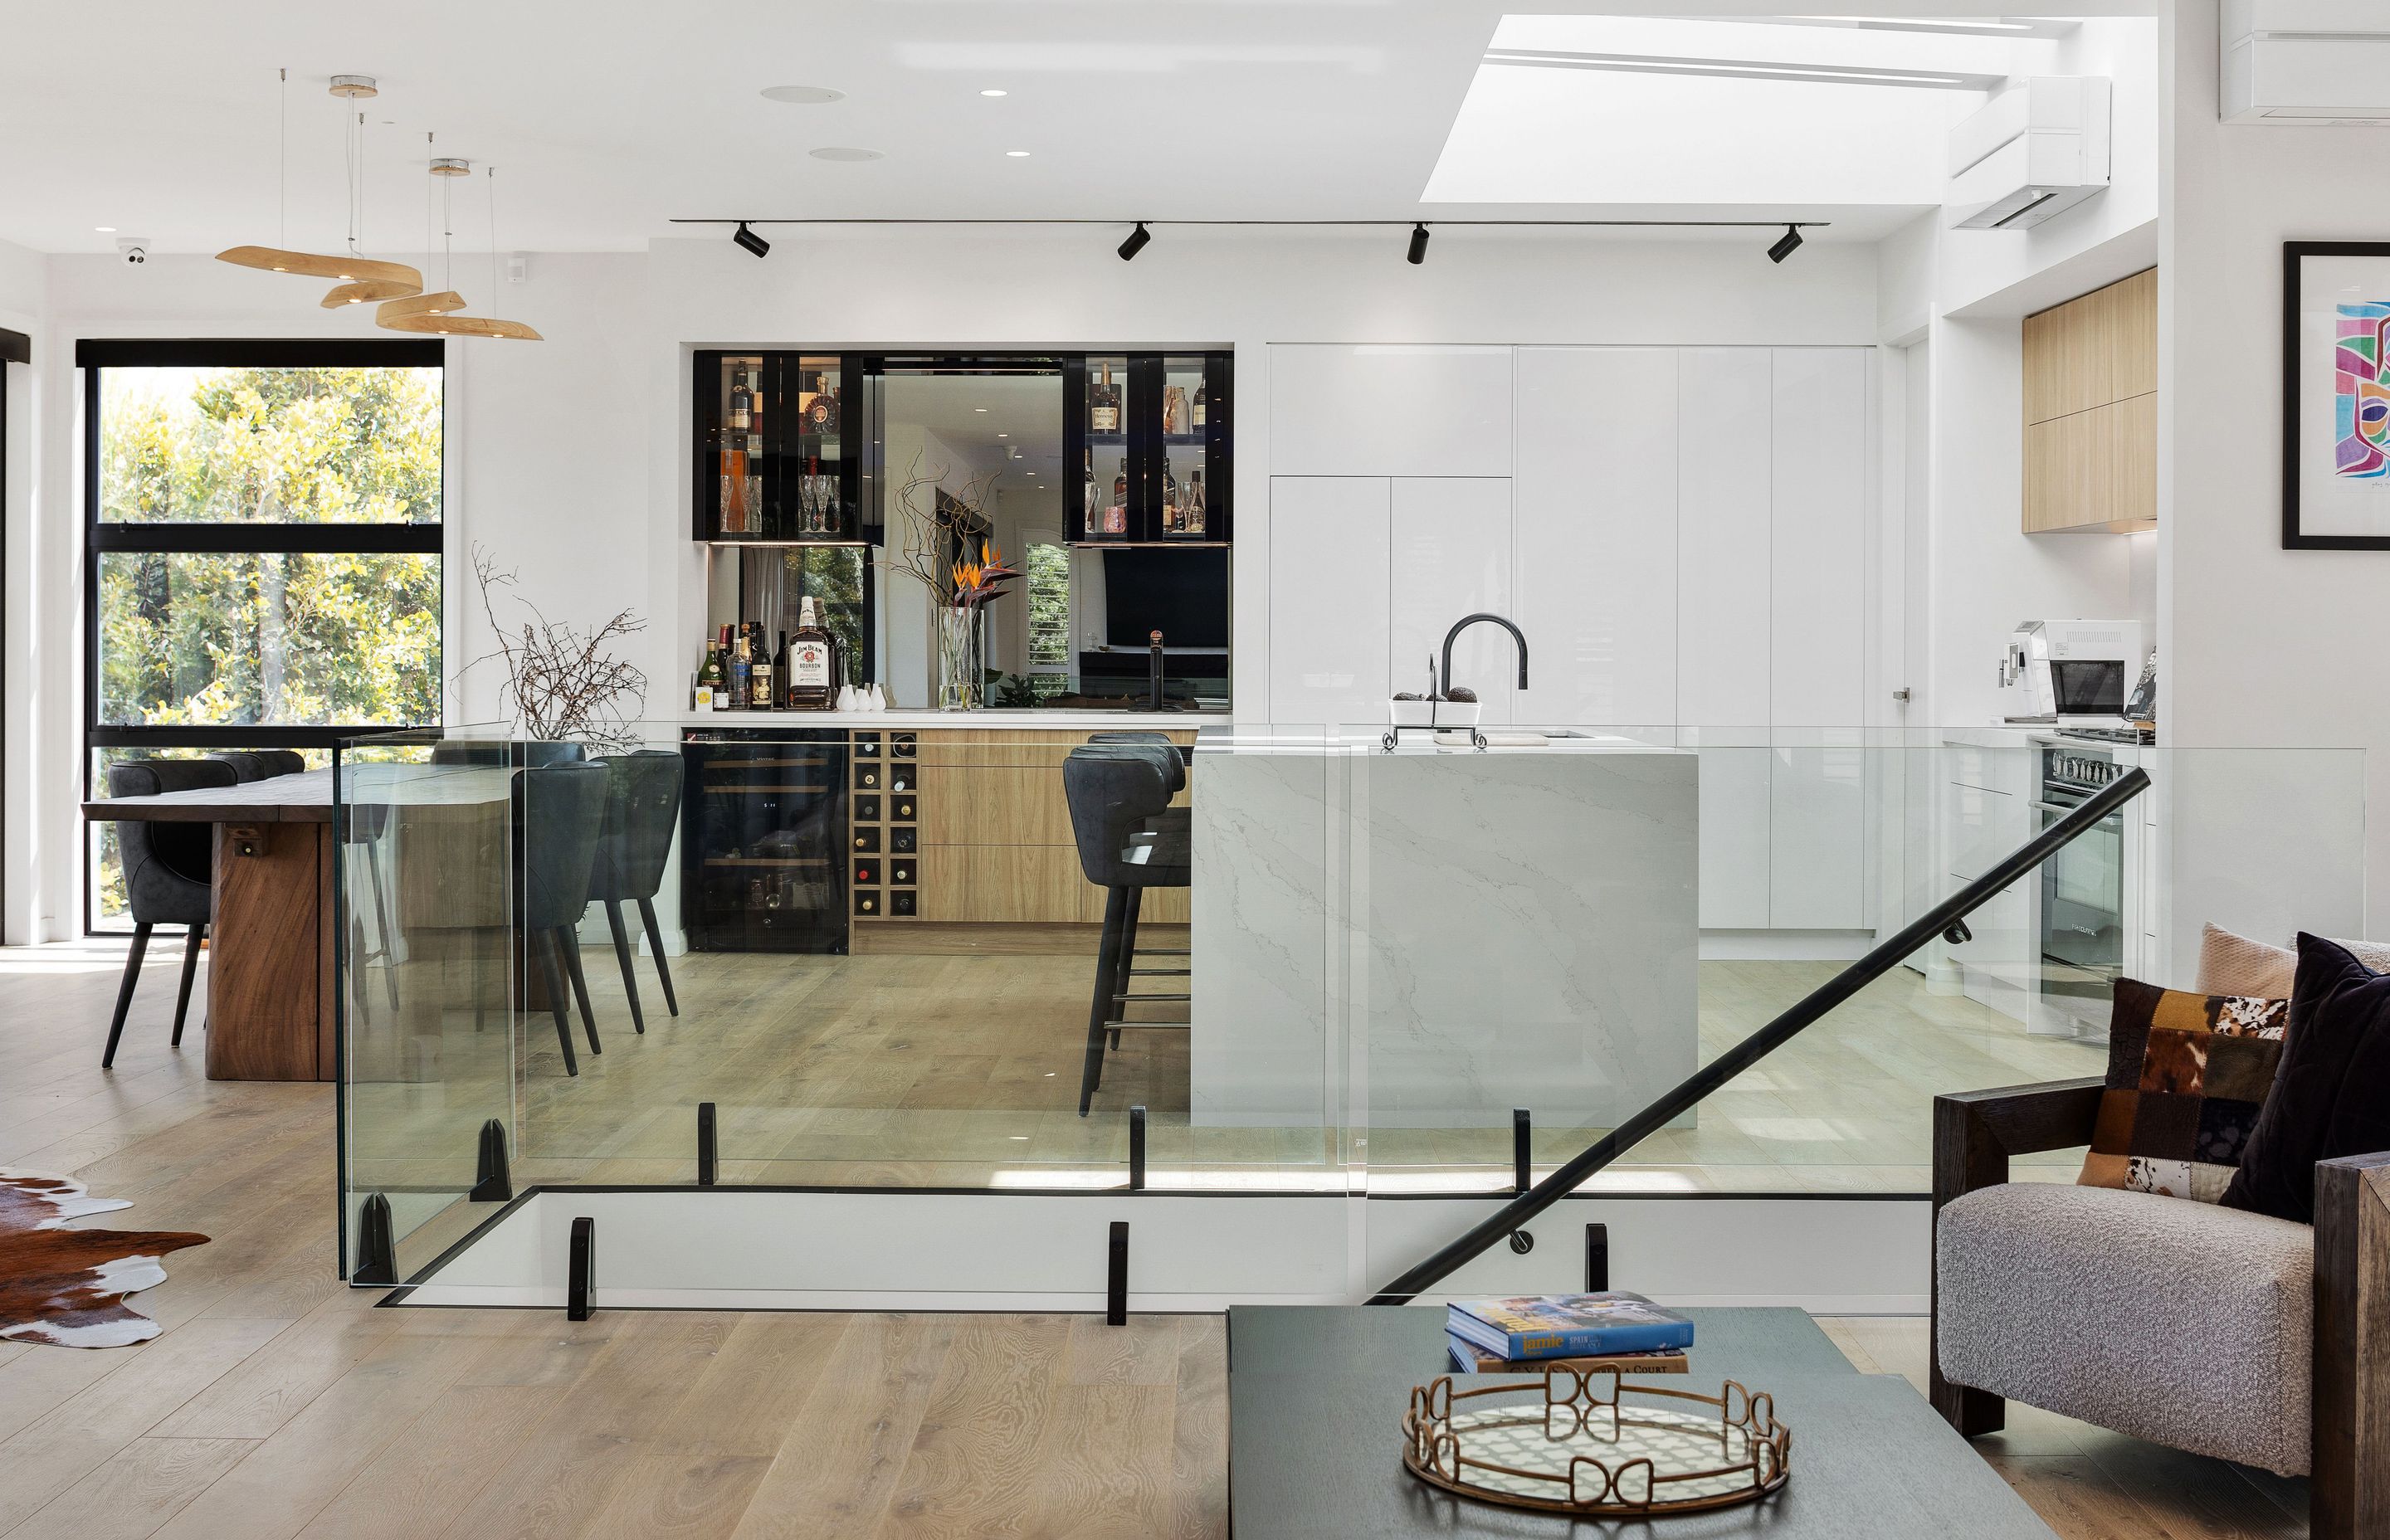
<point x="1786" y="244"/>
<point x="1418" y="245"/>
<point x="749" y="240"/>
<point x="1135" y="242"/>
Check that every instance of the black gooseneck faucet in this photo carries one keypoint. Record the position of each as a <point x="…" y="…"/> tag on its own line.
<point x="1444" y="684"/>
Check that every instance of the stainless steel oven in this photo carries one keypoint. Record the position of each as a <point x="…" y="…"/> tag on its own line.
<point x="2082" y="889"/>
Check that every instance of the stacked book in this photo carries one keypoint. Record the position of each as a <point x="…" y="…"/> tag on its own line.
<point x="1528" y="1335"/>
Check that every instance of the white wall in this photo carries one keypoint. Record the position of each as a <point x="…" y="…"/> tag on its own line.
<point x="2258" y="644"/>
<point x="24" y="299"/>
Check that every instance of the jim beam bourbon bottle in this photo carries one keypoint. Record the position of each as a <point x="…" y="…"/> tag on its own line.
<point x="813" y="663"/>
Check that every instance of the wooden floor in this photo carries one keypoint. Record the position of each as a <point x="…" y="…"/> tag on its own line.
<point x="279" y="1403"/>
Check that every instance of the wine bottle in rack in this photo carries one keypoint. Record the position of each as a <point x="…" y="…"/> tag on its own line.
<point x="1104" y="405"/>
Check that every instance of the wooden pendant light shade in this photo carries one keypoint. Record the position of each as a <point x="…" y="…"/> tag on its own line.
<point x="463" y="325"/>
<point x="310" y="264"/>
<point x="359" y="293"/>
<point x="446" y="303"/>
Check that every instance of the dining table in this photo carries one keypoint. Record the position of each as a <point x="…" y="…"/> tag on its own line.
<point x="274" y="985"/>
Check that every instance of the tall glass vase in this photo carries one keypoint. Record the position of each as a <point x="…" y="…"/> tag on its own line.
<point x="962" y="678"/>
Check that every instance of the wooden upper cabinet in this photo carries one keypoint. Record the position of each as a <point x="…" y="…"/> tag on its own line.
<point x="2090" y="410"/>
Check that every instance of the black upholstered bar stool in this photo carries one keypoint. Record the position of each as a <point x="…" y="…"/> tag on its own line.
<point x="168" y="876"/>
<point x="1119" y="795"/>
<point x="1170" y="821"/>
<point x="642" y="814"/>
<point x="560" y="812"/>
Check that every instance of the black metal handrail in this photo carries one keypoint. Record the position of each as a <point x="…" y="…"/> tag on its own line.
<point x="1938" y="920"/>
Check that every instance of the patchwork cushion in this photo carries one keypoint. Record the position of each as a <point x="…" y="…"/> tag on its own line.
<point x="2187" y="1079"/>
<point x="2184" y="1323"/>
<point x="2333" y="1097"/>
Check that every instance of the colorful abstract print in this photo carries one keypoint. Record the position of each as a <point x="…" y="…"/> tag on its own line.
<point x="2361" y="379"/>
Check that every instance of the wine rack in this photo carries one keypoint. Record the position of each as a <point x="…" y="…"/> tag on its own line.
<point x="883" y="825"/>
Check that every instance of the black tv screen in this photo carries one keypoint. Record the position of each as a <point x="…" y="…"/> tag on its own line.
<point x="1184" y="595"/>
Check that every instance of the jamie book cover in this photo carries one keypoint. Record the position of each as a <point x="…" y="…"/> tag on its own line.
<point x="1552" y="1326"/>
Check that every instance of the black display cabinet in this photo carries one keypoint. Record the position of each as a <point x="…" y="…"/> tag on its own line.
<point x="764" y="863"/>
<point x="783" y="450"/>
<point x="1151" y="437"/>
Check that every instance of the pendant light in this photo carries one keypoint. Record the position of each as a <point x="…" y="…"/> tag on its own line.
<point x="441" y="314"/>
<point x="361" y="278"/>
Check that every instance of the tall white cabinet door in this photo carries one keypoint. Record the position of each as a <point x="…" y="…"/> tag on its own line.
<point x="1452" y="558"/>
<point x="1734" y="847"/>
<point x="1725" y="483"/>
<point x="1817" y="802"/>
<point x="1595" y="497"/>
<point x="1389" y="410"/>
<point x="1327" y="569"/>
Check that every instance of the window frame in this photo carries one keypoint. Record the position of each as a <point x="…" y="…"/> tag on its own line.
<point x="94" y="354"/>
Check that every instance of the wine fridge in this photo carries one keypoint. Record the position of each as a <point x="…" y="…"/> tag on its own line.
<point x="764" y="865"/>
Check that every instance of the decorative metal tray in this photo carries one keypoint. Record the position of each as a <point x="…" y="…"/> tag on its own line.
<point x="1567" y="1444"/>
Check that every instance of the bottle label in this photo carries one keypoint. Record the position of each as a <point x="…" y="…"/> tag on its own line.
<point x="1104" y="420"/>
<point x="809" y="665"/>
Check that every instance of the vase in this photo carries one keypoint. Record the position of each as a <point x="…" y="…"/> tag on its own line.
<point x="962" y="678"/>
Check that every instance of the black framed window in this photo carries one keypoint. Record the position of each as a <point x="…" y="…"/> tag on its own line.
<point x="262" y="567"/>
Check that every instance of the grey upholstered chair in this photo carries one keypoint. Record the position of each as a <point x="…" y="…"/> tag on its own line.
<point x="1119" y="795"/>
<point x="245" y="765"/>
<point x="2211" y="1329"/>
<point x="168" y="876"/>
<point x="480" y="751"/>
<point x="283" y="761"/>
<point x="558" y="811"/>
<point x="642" y="814"/>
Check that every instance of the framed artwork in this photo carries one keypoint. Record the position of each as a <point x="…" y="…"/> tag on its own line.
<point x="2336" y="395"/>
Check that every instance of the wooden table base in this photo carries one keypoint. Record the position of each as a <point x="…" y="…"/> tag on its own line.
<point x="272" y="992"/>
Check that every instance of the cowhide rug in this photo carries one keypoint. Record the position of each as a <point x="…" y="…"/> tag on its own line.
<point x="68" y="1286"/>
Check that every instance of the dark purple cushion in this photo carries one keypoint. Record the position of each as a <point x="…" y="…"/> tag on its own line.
<point x="2331" y="1095"/>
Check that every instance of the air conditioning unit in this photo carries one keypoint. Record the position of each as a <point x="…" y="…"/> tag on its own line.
<point x="2312" y="62"/>
<point x="2037" y="150"/>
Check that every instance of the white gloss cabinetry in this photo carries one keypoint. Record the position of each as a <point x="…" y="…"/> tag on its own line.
<point x="1330" y="541"/>
<point x="1451" y="556"/>
<point x="1594" y="479"/>
<point x="1389" y="410"/>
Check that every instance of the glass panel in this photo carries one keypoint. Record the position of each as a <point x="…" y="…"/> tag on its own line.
<point x="268" y="638"/>
<point x="1184" y="404"/>
<point x="269" y="446"/>
<point x="1107" y="494"/>
<point x="811" y="507"/>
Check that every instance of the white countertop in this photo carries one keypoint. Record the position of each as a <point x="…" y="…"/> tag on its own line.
<point x="993" y="719"/>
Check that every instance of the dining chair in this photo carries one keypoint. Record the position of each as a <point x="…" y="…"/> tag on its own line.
<point x="559" y="810"/>
<point x="283" y="761"/>
<point x="642" y="815"/>
<point x="169" y="877"/>
<point x="245" y="765"/>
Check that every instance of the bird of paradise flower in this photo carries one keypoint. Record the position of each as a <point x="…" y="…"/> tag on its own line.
<point x="977" y="583"/>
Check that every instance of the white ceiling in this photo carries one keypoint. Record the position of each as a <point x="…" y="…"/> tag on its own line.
<point x="608" y="117"/>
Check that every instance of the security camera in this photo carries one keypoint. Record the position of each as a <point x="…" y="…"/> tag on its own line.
<point x="133" y="248"/>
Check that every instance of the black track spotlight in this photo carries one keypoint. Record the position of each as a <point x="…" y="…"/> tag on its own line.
<point x="1786" y="244"/>
<point x="1418" y="253"/>
<point x="1136" y="241"/>
<point x="749" y="240"/>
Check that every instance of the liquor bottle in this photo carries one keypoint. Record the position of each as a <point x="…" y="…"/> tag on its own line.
<point x="1103" y="405"/>
<point x="815" y="498"/>
<point x="742" y="670"/>
<point x="738" y="512"/>
<point x="722" y="687"/>
<point x="1200" y="391"/>
<point x="821" y="411"/>
<point x="710" y="682"/>
<point x="1190" y="515"/>
<point x="759" y="677"/>
<point x="813" y="655"/>
<point x="1169" y="498"/>
<point x="1116" y="512"/>
<point x="1090" y="515"/>
<point x="1174" y="410"/>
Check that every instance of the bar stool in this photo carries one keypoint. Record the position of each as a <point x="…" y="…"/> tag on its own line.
<point x="642" y="814"/>
<point x="1118" y="794"/>
<point x="1169" y="821"/>
<point x="168" y="876"/>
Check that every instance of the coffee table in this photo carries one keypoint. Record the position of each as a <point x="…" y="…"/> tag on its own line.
<point x="1315" y="1399"/>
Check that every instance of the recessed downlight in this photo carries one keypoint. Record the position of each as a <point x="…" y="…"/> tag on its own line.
<point x="802" y="96"/>
<point x="845" y="152"/>
<point x="105" y="229"/>
<point x="1018" y="154"/>
<point x="995" y="91"/>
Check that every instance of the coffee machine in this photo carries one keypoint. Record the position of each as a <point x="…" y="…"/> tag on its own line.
<point x="2055" y="670"/>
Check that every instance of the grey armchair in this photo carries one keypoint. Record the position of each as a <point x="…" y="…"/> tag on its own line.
<point x="2211" y="1330"/>
<point x="169" y="877"/>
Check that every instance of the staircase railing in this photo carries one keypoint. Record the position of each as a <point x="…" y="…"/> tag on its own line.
<point x="1945" y="919"/>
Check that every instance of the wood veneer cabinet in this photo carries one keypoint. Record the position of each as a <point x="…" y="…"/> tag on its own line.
<point x="2091" y="411"/>
<point x="987" y="836"/>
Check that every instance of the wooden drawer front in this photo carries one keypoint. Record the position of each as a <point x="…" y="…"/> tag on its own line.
<point x="994" y="805"/>
<point x="984" y="883"/>
<point x="1022" y="749"/>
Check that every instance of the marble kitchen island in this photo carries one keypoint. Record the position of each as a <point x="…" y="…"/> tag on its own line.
<point x="1431" y="937"/>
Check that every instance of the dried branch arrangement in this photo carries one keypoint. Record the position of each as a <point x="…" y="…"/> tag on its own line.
<point x="563" y="685"/>
<point x="920" y="552"/>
